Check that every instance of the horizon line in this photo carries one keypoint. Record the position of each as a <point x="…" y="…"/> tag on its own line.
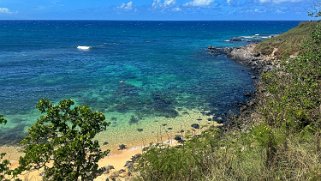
<point x="141" y="20"/>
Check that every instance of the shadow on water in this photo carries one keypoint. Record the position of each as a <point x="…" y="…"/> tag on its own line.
<point x="12" y="136"/>
<point x="164" y="104"/>
<point x="134" y="120"/>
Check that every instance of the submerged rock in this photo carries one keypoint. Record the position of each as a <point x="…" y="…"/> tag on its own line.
<point x="219" y="50"/>
<point x="195" y="126"/>
<point x="179" y="139"/>
<point x="133" y="120"/>
<point x="164" y="104"/>
<point x="105" y="143"/>
<point x="250" y="39"/>
<point x="219" y="119"/>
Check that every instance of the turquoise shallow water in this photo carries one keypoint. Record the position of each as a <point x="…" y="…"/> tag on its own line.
<point x="134" y="71"/>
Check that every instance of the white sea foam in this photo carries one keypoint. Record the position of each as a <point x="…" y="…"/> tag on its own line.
<point x="83" y="47"/>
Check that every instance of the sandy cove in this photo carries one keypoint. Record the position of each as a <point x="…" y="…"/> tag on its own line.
<point x="117" y="158"/>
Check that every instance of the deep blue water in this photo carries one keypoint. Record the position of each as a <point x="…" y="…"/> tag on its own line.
<point x="145" y="68"/>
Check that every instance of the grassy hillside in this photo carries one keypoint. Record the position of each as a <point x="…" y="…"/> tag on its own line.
<point x="281" y="139"/>
<point x="290" y="42"/>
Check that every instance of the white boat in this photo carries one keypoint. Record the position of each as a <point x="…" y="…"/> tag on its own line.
<point x="83" y="47"/>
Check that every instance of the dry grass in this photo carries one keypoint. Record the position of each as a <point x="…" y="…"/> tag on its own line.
<point x="289" y="43"/>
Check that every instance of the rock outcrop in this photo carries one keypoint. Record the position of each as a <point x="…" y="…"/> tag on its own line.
<point x="249" y="57"/>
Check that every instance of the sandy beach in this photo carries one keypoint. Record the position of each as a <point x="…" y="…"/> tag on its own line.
<point x="161" y="131"/>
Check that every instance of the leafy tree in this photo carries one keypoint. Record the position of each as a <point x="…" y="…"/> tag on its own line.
<point x="61" y="142"/>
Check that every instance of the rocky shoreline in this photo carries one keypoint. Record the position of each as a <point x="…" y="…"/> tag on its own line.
<point x="258" y="63"/>
<point x="248" y="56"/>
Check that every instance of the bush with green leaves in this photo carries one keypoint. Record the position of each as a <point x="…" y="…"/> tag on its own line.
<point x="185" y="162"/>
<point x="61" y="143"/>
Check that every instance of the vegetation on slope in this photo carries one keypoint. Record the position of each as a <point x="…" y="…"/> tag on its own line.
<point x="289" y="43"/>
<point x="282" y="143"/>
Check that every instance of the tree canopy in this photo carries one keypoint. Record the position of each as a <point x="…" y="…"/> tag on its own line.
<point x="61" y="143"/>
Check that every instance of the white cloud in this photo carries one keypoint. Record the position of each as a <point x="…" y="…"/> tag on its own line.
<point x="199" y="3"/>
<point x="5" y="11"/>
<point x="169" y="2"/>
<point x="127" y="6"/>
<point x="228" y="1"/>
<point x="257" y="10"/>
<point x="279" y="1"/>
<point x="163" y="4"/>
<point x="279" y="11"/>
<point x="177" y="9"/>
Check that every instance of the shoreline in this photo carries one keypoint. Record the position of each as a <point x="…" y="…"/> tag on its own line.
<point x="257" y="63"/>
<point x="117" y="158"/>
<point x="244" y="55"/>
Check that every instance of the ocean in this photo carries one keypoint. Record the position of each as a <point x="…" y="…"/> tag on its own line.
<point x="145" y="76"/>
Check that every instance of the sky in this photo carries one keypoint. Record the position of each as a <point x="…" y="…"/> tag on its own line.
<point x="155" y="9"/>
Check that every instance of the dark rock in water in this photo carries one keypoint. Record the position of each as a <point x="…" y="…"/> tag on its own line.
<point x="247" y="94"/>
<point x="218" y="50"/>
<point x="140" y="129"/>
<point x="164" y="124"/>
<point x="170" y="113"/>
<point x="207" y="113"/>
<point x="185" y="113"/>
<point x="209" y="119"/>
<point x="105" y="143"/>
<point x="195" y="126"/>
<point x="161" y="100"/>
<point x="122" y="171"/>
<point x="170" y="128"/>
<point x="122" y="147"/>
<point x="125" y="89"/>
<point x="114" y="119"/>
<point x="199" y="119"/>
<point x="133" y="120"/>
<point x="179" y="139"/>
<point x="236" y="39"/>
<point x="249" y="39"/>
<point x="219" y="119"/>
<point x="164" y="104"/>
